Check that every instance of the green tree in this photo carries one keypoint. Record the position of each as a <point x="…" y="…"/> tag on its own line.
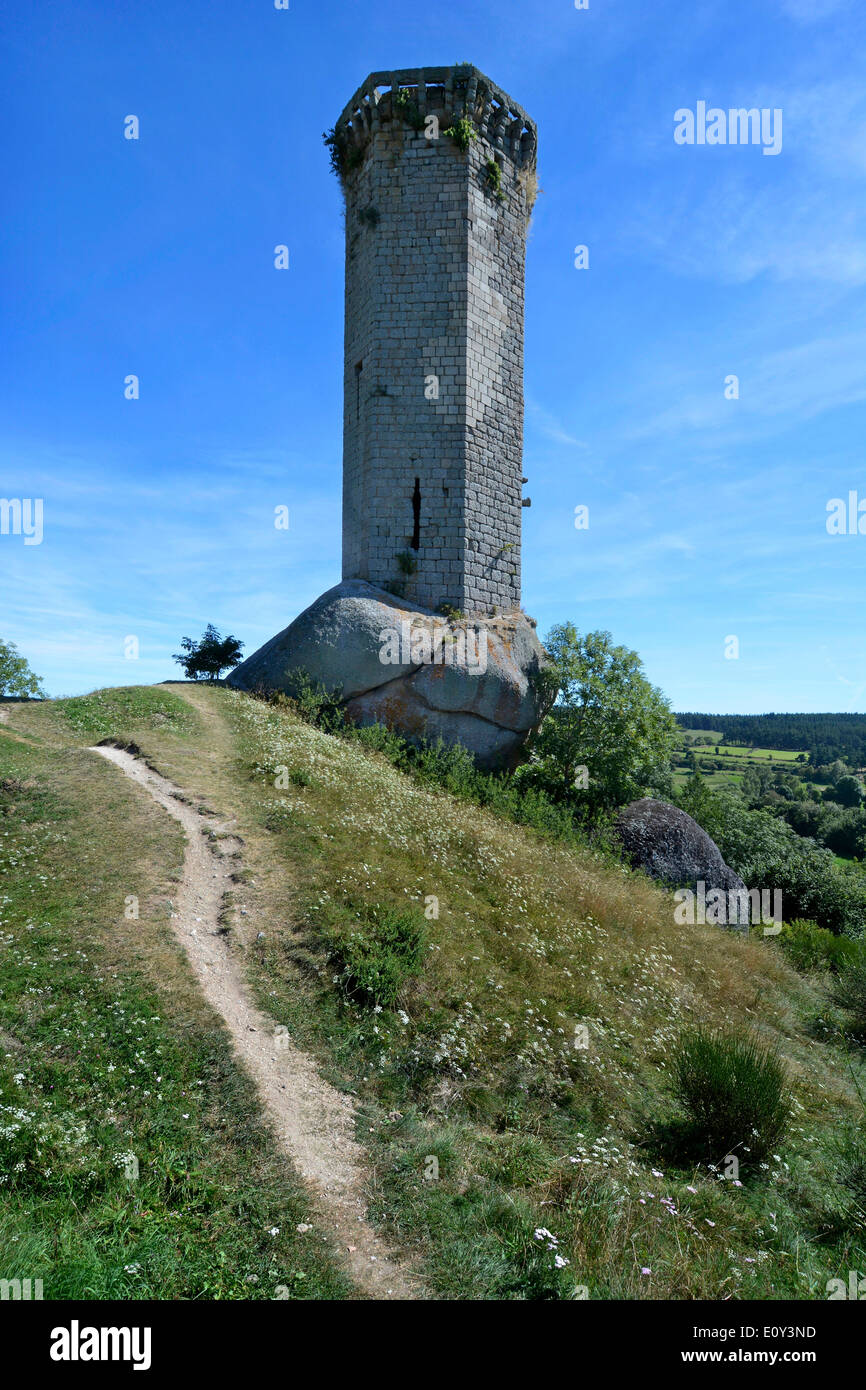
<point x="756" y="782"/>
<point x="610" y="735"/>
<point x="212" y="655"/>
<point x="848" y="791"/>
<point x="16" y="678"/>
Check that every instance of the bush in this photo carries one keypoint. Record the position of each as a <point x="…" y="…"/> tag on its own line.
<point x="732" y="1089"/>
<point x="379" y="956"/>
<point x="849" y="987"/>
<point x="463" y="133"/>
<point x="851" y="1175"/>
<point x="310" y="701"/>
<point x="810" y="947"/>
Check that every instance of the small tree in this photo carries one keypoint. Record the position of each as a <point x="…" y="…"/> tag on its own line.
<point x="610" y="736"/>
<point x="848" y="791"/>
<point x="208" y="657"/>
<point x="16" y="678"/>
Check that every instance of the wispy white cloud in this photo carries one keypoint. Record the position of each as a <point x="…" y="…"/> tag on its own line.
<point x="777" y="390"/>
<point x="812" y="11"/>
<point x="550" y="427"/>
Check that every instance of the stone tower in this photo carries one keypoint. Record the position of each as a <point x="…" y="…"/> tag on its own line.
<point x="438" y="170"/>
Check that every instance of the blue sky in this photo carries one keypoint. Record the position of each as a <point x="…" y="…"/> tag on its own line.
<point x="155" y="257"/>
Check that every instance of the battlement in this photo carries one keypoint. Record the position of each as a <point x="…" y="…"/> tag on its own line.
<point x="449" y="94"/>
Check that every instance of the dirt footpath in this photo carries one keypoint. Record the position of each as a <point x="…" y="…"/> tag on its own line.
<point x="313" y="1122"/>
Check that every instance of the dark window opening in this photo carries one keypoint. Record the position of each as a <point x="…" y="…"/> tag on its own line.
<point x="416" y="514"/>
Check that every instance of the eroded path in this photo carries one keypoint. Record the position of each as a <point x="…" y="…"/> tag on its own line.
<point x="313" y="1122"/>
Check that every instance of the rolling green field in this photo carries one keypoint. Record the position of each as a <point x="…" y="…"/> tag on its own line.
<point x="772" y="755"/>
<point x="735" y="757"/>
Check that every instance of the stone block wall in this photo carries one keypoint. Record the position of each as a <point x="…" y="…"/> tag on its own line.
<point x="433" y="405"/>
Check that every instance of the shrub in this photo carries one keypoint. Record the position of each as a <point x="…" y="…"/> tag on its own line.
<point x="404" y="105"/>
<point x="310" y="701"/>
<point x="810" y="947"/>
<point x="380" y="955"/>
<point x="849" y="987"/>
<point x="609" y="737"/>
<point x="732" y="1089"/>
<point x="851" y="1177"/>
<point x="343" y="156"/>
<point x="494" y="180"/>
<point x="463" y="133"/>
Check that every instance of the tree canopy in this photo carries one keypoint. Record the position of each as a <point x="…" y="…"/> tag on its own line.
<point x="16" y="678"/>
<point x="209" y="657"/>
<point x="610" y="735"/>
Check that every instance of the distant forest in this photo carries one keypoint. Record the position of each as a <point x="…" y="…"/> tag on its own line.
<point x="825" y="737"/>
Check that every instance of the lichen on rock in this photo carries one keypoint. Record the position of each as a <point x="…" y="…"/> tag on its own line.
<point x="475" y="681"/>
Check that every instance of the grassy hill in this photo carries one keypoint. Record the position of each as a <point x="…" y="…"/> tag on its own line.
<point x="441" y="965"/>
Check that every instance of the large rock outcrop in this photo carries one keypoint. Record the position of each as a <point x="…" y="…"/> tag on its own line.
<point x="668" y="844"/>
<point x="474" y="681"/>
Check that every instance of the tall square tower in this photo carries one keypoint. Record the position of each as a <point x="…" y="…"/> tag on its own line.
<point x="438" y="170"/>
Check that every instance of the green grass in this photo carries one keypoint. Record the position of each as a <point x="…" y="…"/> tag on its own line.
<point x="712" y="778"/>
<point x="133" y="1158"/>
<point x="736" y="754"/>
<point x="510" y="1076"/>
<point x="734" y="759"/>
<point x="118" y="713"/>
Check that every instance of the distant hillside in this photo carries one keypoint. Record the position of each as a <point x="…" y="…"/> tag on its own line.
<point x="825" y="736"/>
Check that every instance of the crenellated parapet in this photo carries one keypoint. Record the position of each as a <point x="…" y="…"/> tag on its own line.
<point x="409" y="96"/>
